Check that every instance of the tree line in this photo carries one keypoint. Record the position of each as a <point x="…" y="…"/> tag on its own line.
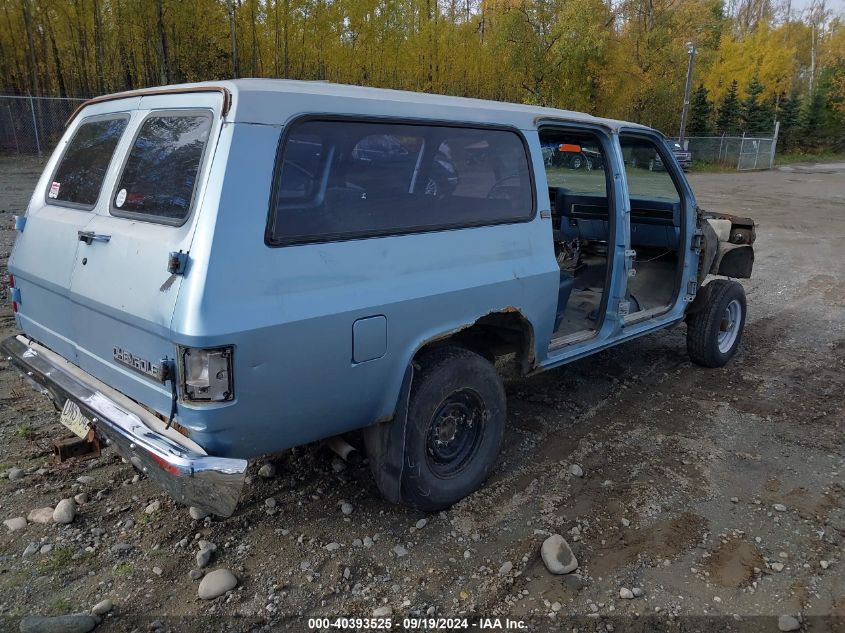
<point x="756" y="61"/>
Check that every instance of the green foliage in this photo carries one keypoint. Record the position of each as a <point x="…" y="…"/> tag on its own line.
<point x="730" y="112"/>
<point x="701" y="113"/>
<point x="790" y="120"/>
<point x="757" y="114"/>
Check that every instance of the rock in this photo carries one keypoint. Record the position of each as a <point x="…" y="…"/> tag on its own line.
<point x="121" y="548"/>
<point x="128" y="524"/>
<point x="346" y="573"/>
<point x="625" y="522"/>
<point x="346" y="508"/>
<point x="637" y="592"/>
<point x="576" y="471"/>
<point x="400" y="551"/>
<point x="40" y="515"/>
<point x="216" y="583"/>
<point x="626" y="594"/>
<point x="824" y="564"/>
<point x="506" y="568"/>
<point x="333" y="546"/>
<point x="270" y="503"/>
<point x="30" y="549"/>
<point x="383" y="612"/>
<point x="197" y="514"/>
<point x="101" y="608"/>
<point x="204" y="557"/>
<point x="153" y="507"/>
<point x="777" y="567"/>
<point x="267" y="471"/>
<point x="81" y="498"/>
<point x="734" y="499"/>
<point x="80" y="623"/>
<point x="557" y="555"/>
<point x="46" y="548"/>
<point x="779" y="507"/>
<point x="421" y="524"/>
<point x="338" y="465"/>
<point x="158" y="571"/>
<point x="15" y="473"/>
<point x="65" y="511"/>
<point x="85" y="480"/>
<point x="195" y="574"/>
<point x="788" y="623"/>
<point x="15" y="524"/>
<point x="207" y="545"/>
<point x="367" y="542"/>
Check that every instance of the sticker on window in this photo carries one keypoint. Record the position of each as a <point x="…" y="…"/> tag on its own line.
<point x="120" y="199"/>
<point x="54" y="190"/>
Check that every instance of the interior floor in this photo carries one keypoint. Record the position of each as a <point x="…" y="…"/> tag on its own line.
<point x="654" y="284"/>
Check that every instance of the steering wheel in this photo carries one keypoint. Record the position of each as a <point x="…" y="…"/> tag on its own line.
<point x="498" y="190"/>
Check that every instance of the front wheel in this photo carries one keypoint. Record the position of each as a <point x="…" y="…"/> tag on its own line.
<point x="456" y="419"/>
<point x="715" y="331"/>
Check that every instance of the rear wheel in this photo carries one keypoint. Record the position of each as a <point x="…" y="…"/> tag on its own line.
<point x="715" y="331"/>
<point x="456" y="419"/>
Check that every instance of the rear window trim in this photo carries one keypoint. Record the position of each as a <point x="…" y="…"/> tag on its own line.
<point x="48" y="201"/>
<point x="145" y="217"/>
<point x="292" y="123"/>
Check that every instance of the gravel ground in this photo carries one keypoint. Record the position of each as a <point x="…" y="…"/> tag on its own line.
<point x="716" y="496"/>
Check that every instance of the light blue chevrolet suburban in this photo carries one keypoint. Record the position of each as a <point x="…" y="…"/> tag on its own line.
<point x="211" y="272"/>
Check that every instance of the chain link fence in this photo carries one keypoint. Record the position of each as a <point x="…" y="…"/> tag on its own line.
<point x="741" y="152"/>
<point x="33" y="125"/>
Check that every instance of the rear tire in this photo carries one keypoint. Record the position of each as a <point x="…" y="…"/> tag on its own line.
<point x="715" y="331"/>
<point x="456" y="419"/>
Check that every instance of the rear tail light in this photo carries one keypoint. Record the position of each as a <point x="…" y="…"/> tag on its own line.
<point x="14" y="293"/>
<point x="207" y="374"/>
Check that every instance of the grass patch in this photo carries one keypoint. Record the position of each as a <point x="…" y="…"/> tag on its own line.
<point x="25" y="431"/>
<point x="702" y="167"/>
<point x="60" y="558"/>
<point x="817" y="157"/>
<point x="122" y="569"/>
<point x="60" y="606"/>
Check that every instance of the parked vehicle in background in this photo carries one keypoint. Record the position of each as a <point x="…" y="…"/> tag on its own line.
<point x="212" y="272"/>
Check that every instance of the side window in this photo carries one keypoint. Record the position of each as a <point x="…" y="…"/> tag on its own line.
<point x="159" y="178"/>
<point x="348" y="179"/>
<point x="79" y="176"/>
<point x="646" y="173"/>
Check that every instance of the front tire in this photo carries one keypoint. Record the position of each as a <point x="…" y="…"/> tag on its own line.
<point x="456" y="419"/>
<point x="715" y="331"/>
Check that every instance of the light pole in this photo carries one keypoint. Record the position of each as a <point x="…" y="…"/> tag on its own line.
<point x="690" y="68"/>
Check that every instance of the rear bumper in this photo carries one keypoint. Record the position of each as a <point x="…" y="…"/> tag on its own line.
<point x="177" y="464"/>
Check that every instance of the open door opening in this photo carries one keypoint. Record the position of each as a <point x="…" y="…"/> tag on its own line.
<point x="578" y="192"/>
<point x="656" y="221"/>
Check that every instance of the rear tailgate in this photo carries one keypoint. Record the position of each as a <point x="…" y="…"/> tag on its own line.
<point x="121" y="295"/>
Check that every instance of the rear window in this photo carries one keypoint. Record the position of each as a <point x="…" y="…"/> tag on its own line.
<point x="349" y="179"/>
<point x="159" y="178"/>
<point x="79" y="176"/>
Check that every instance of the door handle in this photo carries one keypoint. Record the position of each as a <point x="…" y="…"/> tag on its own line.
<point x="89" y="237"/>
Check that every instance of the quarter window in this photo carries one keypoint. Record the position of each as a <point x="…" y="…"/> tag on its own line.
<point x="80" y="174"/>
<point x="159" y="178"/>
<point x="347" y="179"/>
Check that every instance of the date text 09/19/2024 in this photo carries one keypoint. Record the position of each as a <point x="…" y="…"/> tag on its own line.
<point x="410" y="624"/>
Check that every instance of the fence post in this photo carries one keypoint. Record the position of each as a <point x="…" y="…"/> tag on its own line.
<point x="774" y="145"/>
<point x="14" y="131"/>
<point x="35" y="125"/>
<point x="721" y="141"/>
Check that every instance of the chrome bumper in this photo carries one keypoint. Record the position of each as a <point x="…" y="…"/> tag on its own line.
<point x="177" y="464"/>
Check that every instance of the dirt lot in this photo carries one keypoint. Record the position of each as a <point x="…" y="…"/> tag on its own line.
<point x="682" y="469"/>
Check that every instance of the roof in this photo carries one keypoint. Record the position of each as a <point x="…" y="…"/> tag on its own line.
<point x="274" y="101"/>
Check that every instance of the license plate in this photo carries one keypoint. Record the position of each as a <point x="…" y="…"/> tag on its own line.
<point x="73" y="419"/>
